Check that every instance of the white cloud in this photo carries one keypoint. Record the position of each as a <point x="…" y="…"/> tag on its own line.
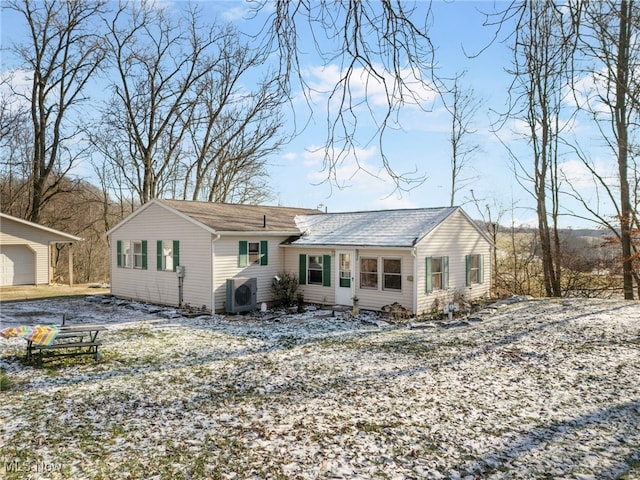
<point x="323" y="80"/>
<point x="290" y="156"/>
<point x="15" y="86"/>
<point x="578" y="175"/>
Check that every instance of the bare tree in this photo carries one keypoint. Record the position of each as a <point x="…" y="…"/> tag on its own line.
<point x="462" y="108"/>
<point x="611" y="41"/>
<point x="62" y="55"/>
<point x="233" y="130"/>
<point x="543" y="55"/>
<point x="180" y="114"/>
<point x="385" y="45"/>
<point x="16" y="150"/>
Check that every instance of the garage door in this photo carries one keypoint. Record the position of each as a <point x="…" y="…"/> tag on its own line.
<point x="17" y="265"/>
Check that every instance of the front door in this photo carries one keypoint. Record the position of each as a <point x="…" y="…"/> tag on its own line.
<point x="344" y="280"/>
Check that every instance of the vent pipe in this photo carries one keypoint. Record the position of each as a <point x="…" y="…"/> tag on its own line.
<point x="264" y="221"/>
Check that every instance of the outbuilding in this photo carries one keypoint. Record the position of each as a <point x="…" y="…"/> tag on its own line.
<point x="25" y="251"/>
<point x="224" y="257"/>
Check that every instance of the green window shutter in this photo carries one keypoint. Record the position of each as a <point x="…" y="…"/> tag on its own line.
<point x="119" y="252"/>
<point x="480" y="268"/>
<point x="176" y="254"/>
<point x="467" y="260"/>
<point x="264" y="255"/>
<point x="326" y="270"/>
<point x="144" y="254"/>
<point x="243" y="253"/>
<point x="429" y="286"/>
<point x="159" y="255"/>
<point x="445" y="273"/>
<point x="302" y="272"/>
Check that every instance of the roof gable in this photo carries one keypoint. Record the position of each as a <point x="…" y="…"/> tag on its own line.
<point x="64" y="237"/>
<point x="384" y="228"/>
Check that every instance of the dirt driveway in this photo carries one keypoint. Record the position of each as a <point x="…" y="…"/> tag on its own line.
<point x="30" y="292"/>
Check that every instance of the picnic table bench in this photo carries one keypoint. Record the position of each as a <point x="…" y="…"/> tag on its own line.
<point x="72" y="340"/>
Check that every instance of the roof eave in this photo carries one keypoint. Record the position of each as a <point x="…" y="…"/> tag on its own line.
<point x="267" y="233"/>
<point x="155" y="201"/>
<point x="347" y="246"/>
<point x="42" y="227"/>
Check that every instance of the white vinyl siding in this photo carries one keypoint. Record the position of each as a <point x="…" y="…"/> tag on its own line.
<point x="376" y="298"/>
<point x="370" y="298"/>
<point x="455" y="238"/>
<point x="229" y="264"/>
<point x="323" y="294"/>
<point x="33" y="239"/>
<point x="158" y="286"/>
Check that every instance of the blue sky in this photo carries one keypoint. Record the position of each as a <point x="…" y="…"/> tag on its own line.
<point x="420" y="144"/>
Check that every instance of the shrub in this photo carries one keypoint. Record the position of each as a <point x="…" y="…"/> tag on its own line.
<point x="285" y="288"/>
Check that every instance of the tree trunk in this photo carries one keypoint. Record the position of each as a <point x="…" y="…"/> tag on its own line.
<point x="622" y="84"/>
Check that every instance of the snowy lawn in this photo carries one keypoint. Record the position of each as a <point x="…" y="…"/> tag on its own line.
<point x="537" y="389"/>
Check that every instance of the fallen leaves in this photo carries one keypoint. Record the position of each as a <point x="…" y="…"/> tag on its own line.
<point x="534" y="389"/>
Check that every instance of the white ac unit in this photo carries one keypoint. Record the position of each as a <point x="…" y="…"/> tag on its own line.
<point x="242" y="294"/>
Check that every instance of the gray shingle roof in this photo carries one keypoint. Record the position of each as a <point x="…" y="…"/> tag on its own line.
<point x="241" y="218"/>
<point x="385" y="228"/>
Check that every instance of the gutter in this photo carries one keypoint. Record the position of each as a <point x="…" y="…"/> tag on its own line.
<point x="213" y="268"/>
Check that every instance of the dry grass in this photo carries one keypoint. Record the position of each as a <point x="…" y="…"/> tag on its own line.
<point x="32" y="292"/>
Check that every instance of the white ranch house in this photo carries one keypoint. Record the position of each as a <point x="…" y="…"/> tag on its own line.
<point x="225" y="257"/>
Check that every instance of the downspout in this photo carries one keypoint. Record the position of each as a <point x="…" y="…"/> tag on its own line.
<point x="414" y="253"/>
<point x="215" y="238"/>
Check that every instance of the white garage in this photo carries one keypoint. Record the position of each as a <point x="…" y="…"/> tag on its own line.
<point x="17" y="265"/>
<point x="25" y="251"/>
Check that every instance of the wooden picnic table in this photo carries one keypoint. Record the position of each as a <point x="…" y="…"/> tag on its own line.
<point x="72" y="340"/>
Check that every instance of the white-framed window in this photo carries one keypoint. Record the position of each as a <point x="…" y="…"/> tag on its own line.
<point x="167" y="255"/>
<point x="125" y="253"/>
<point x="437" y="273"/>
<point x="474" y="265"/>
<point x="137" y="254"/>
<point x="132" y="254"/>
<point x="314" y="270"/>
<point x="392" y="273"/>
<point x="254" y="252"/>
<point x="369" y="272"/>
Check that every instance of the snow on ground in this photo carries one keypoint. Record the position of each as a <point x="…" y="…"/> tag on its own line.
<point x="535" y="389"/>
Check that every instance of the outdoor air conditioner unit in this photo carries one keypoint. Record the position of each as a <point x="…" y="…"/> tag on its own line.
<point x="241" y="294"/>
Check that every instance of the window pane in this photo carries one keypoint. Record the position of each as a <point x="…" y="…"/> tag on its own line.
<point x="436" y="273"/>
<point x="392" y="274"/>
<point x="369" y="265"/>
<point x="254" y="252"/>
<point x="436" y="265"/>
<point x="369" y="280"/>
<point x="474" y="268"/>
<point x="126" y="253"/>
<point x="392" y="282"/>
<point x="137" y="254"/>
<point x="369" y="273"/>
<point x="315" y="269"/>
<point x="345" y="261"/>
<point x="315" y="277"/>
<point x="391" y="265"/>
<point x="167" y="255"/>
<point x="315" y="262"/>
